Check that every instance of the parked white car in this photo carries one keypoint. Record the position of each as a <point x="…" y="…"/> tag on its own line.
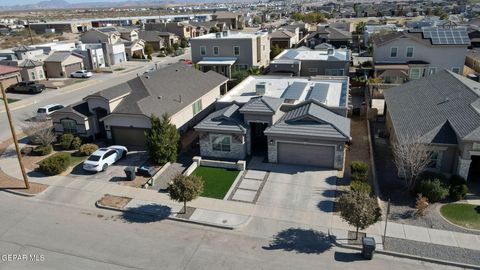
<point x="43" y="113"/>
<point x="81" y="74"/>
<point x="104" y="157"/>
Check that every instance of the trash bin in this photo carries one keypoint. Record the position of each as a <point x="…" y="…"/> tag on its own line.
<point x="130" y="173"/>
<point x="368" y="247"/>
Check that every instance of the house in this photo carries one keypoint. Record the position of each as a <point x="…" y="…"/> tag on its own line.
<point x="286" y="120"/>
<point x="9" y="76"/>
<point x="443" y="112"/>
<point x="283" y="39"/>
<point x="61" y="64"/>
<point x="122" y="113"/>
<point x="180" y="29"/>
<point x="26" y="52"/>
<point x="158" y="40"/>
<point x="32" y="70"/>
<point x="70" y="26"/>
<point x="331" y="35"/>
<point x="204" y="28"/>
<point x="93" y="56"/>
<point x="372" y="29"/>
<point x="225" y="52"/>
<point x="472" y="60"/>
<point x="134" y="46"/>
<point x="112" y="44"/>
<point x="474" y="35"/>
<point x="308" y="62"/>
<point x="417" y="53"/>
<point x="232" y="20"/>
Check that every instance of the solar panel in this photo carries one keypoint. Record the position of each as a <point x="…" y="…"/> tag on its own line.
<point x="294" y="91"/>
<point x="446" y="36"/>
<point x="319" y="92"/>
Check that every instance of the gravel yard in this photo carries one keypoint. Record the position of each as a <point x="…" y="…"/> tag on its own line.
<point x="441" y="252"/>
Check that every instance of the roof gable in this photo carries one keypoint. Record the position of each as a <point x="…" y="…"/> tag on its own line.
<point x="262" y="104"/>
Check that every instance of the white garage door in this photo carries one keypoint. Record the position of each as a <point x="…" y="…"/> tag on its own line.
<point x="306" y="154"/>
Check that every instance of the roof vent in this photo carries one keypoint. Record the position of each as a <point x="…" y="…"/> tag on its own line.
<point x="226" y="33"/>
<point x="159" y="97"/>
<point x="260" y="88"/>
<point x="147" y="77"/>
<point x="218" y="35"/>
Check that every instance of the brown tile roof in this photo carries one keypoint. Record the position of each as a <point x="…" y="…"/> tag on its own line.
<point x="8" y="69"/>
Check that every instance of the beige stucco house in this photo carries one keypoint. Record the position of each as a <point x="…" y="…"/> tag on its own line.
<point x="60" y="64"/>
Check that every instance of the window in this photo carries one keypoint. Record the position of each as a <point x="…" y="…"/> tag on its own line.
<point x="215" y="50"/>
<point x="197" y="106"/>
<point x="203" y="50"/>
<point x="431" y="70"/>
<point x="41" y="74"/>
<point x="236" y="50"/>
<point x="221" y="143"/>
<point x="409" y="52"/>
<point x="334" y="72"/>
<point x="456" y="70"/>
<point x="414" y="73"/>
<point x="435" y="160"/>
<point x="33" y="75"/>
<point x="69" y="126"/>
<point x="393" y="52"/>
<point x="312" y="70"/>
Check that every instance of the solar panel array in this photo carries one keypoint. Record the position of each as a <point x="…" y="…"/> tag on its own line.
<point x="294" y="91"/>
<point x="319" y="92"/>
<point x="446" y="36"/>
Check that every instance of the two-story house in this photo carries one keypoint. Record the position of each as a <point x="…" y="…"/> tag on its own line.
<point x="232" y="20"/>
<point x="226" y="51"/>
<point x="307" y="62"/>
<point x="412" y="54"/>
<point x="181" y="29"/>
<point x="110" y="38"/>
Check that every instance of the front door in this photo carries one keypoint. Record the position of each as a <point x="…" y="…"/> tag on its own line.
<point x="258" y="138"/>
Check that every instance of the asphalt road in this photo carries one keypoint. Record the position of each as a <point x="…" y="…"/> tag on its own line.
<point x="41" y="235"/>
<point x="60" y="96"/>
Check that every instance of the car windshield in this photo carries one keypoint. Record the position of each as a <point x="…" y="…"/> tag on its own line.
<point x="41" y="110"/>
<point x="94" y="158"/>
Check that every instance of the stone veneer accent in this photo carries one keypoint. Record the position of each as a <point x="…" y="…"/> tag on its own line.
<point x="463" y="167"/>
<point x="237" y="147"/>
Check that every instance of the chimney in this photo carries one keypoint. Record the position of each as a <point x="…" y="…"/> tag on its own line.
<point x="260" y="88"/>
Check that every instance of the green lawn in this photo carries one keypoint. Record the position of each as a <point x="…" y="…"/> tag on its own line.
<point x="465" y="215"/>
<point x="9" y="100"/>
<point x="75" y="160"/>
<point x="216" y="181"/>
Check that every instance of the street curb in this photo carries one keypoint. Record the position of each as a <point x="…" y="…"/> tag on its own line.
<point x="409" y="256"/>
<point x="19" y="193"/>
<point x="98" y="205"/>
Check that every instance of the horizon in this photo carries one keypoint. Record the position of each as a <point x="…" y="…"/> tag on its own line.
<point x="31" y="2"/>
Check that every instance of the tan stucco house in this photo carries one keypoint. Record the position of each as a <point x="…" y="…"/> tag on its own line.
<point x="61" y="63"/>
<point x="122" y="113"/>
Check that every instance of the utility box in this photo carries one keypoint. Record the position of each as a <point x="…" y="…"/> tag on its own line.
<point x="368" y="247"/>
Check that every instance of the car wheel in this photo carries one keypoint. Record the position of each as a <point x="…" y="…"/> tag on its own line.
<point x="124" y="154"/>
<point x="71" y="76"/>
<point x="84" y="76"/>
<point x="104" y="168"/>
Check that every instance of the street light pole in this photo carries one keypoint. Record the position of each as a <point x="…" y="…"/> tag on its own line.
<point x="14" y="136"/>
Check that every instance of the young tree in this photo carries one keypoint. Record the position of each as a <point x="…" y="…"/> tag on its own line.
<point x="185" y="189"/>
<point x="421" y="205"/>
<point x="148" y="50"/>
<point x="183" y="42"/>
<point x="162" y="140"/>
<point x="411" y="158"/>
<point x="359" y="210"/>
<point x="360" y="27"/>
<point x="214" y="29"/>
<point x="39" y="132"/>
<point x="274" y="51"/>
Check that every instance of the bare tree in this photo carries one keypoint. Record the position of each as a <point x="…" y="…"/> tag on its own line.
<point x="39" y="132"/>
<point x="411" y="157"/>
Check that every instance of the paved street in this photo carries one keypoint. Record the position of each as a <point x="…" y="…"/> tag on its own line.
<point x="75" y="238"/>
<point x="76" y="92"/>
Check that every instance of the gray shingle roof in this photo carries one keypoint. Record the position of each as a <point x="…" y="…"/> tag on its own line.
<point x="152" y="36"/>
<point x="262" y="104"/>
<point x="227" y="120"/>
<point x="113" y="92"/>
<point x="28" y="63"/>
<point x="167" y="90"/>
<point x="282" y="34"/>
<point x="333" y="33"/>
<point x="312" y="119"/>
<point x="60" y="56"/>
<point x="429" y="107"/>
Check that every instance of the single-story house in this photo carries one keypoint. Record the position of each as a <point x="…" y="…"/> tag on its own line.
<point x="122" y="113"/>
<point x="9" y="75"/>
<point x="286" y="120"/>
<point x="443" y="111"/>
<point x="61" y="63"/>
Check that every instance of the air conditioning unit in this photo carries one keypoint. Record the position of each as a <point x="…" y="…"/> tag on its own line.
<point x="260" y="88"/>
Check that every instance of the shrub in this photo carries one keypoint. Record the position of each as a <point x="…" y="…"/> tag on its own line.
<point x="359" y="167"/>
<point x="434" y="189"/>
<point x="358" y="177"/>
<point x="76" y="143"/>
<point x="26" y="150"/>
<point x="421" y="205"/>
<point x="55" y="164"/>
<point x="426" y="175"/>
<point x="87" y="149"/>
<point x="66" y="141"/>
<point x="458" y="192"/>
<point x="456" y="180"/>
<point x="42" y="150"/>
<point x="360" y="186"/>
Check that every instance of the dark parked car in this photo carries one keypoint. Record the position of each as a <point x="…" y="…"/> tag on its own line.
<point x="27" y="87"/>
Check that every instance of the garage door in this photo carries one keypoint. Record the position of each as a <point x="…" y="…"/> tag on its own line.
<point x="306" y="154"/>
<point x="72" y="68"/>
<point x="130" y="137"/>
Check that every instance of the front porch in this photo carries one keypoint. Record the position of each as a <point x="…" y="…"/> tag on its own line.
<point x="221" y="65"/>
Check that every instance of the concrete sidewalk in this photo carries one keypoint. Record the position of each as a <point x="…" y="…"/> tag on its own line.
<point x="85" y="193"/>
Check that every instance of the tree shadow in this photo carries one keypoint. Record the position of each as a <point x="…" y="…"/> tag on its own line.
<point x="301" y="241"/>
<point x="328" y="193"/>
<point x="147" y="213"/>
<point x="332" y="180"/>
<point x="326" y="206"/>
<point x="347" y="257"/>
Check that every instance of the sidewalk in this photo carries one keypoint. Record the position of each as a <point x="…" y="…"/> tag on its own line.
<point x="85" y="193"/>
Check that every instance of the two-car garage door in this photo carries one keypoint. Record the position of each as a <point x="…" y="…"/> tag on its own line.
<point x="130" y="137"/>
<point x="306" y="154"/>
<point x="72" y="68"/>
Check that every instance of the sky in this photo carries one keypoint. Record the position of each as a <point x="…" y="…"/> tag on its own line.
<point x="27" y="2"/>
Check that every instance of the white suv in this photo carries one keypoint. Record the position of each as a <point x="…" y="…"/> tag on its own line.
<point x="43" y="113"/>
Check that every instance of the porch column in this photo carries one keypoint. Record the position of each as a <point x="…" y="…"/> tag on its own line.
<point x="463" y="167"/>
